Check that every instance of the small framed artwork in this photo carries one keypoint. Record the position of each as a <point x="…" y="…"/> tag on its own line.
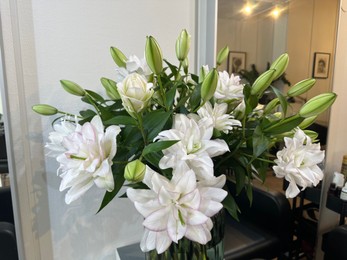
<point x="236" y="61"/>
<point x="321" y="65"/>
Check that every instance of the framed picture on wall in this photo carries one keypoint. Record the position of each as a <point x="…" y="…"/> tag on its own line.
<point x="236" y="61"/>
<point x="321" y="65"/>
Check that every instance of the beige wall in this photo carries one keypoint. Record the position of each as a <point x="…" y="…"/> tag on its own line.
<point x="311" y="28"/>
<point x="252" y="35"/>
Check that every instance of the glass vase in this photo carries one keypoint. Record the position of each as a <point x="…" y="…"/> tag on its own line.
<point x="189" y="250"/>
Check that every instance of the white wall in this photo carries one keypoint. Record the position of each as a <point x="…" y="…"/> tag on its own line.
<point x="46" y="41"/>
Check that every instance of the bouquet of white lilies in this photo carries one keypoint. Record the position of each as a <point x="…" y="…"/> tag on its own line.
<point x="171" y="136"/>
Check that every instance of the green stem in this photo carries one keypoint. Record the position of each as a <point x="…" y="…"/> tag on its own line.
<point x="178" y="70"/>
<point x="226" y="158"/>
<point x="91" y="99"/>
<point x="259" y="159"/>
<point x="162" y="92"/>
<point x="68" y="114"/>
<point x="140" y="125"/>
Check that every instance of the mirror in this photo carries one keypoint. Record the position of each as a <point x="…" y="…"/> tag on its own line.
<point x="258" y="33"/>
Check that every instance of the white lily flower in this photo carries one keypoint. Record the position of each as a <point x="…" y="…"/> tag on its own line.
<point x="133" y="64"/>
<point x="194" y="150"/>
<point x="177" y="208"/>
<point x="228" y="87"/>
<point x="62" y="129"/>
<point x="87" y="158"/>
<point x="297" y="163"/>
<point x="221" y="120"/>
<point x="135" y="92"/>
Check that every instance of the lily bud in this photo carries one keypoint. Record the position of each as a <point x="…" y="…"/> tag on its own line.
<point x="280" y="65"/>
<point x="222" y="55"/>
<point x="312" y="134"/>
<point x="203" y="72"/>
<point x="153" y="55"/>
<point x="301" y="87"/>
<point x="262" y="82"/>
<point x="271" y="105"/>
<point x="111" y="88"/>
<point x="185" y="65"/>
<point x="45" y="110"/>
<point x="209" y="85"/>
<point x="182" y="45"/>
<point x="119" y="58"/>
<point x="307" y="122"/>
<point x="134" y="171"/>
<point x="73" y="88"/>
<point x="317" y="104"/>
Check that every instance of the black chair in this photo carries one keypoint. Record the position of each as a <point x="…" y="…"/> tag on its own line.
<point x="334" y="243"/>
<point x="264" y="230"/>
<point x="8" y="243"/>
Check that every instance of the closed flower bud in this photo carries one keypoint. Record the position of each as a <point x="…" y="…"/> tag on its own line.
<point x="73" y="88"/>
<point x="271" y="105"/>
<point x="153" y="55"/>
<point x="203" y="72"/>
<point x="312" y="134"/>
<point x="280" y="65"/>
<point x="301" y="87"/>
<point x="134" y="171"/>
<point x="209" y="85"/>
<point x="135" y="93"/>
<point x="119" y="58"/>
<point x="185" y="65"/>
<point x="307" y="122"/>
<point x="45" y="110"/>
<point x="262" y="82"/>
<point x="317" y="104"/>
<point x="222" y="55"/>
<point x="182" y="45"/>
<point x="111" y="88"/>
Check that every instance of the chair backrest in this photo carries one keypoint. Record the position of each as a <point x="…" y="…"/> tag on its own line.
<point x="6" y="212"/>
<point x="269" y="209"/>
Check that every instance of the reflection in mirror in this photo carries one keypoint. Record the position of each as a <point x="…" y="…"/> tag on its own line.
<point x="257" y="32"/>
<point x="4" y="176"/>
<point x="263" y="30"/>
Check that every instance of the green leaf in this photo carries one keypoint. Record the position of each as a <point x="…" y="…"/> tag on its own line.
<point x="95" y="96"/>
<point x="240" y="178"/>
<point x="284" y="125"/>
<point x="121" y="120"/>
<point x="118" y="181"/>
<point x="158" y="146"/>
<point x="87" y="113"/>
<point x="249" y="193"/>
<point x="153" y="158"/>
<point x="154" y="122"/>
<point x="173" y="68"/>
<point x="195" y="98"/>
<point x="170" y="96"/>
<point x="231" y="206"/>
<point x="251" y="101"/>
<point x="260" y="142"/>
<point x="282" y="100"/>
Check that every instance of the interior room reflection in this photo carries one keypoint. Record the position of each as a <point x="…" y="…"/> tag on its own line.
<point x="8" y="243"/>
<point x="257" y="32"/>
